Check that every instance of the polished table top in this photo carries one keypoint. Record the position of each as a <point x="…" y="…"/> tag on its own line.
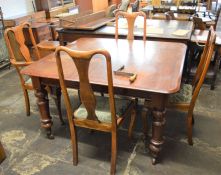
<point x="158" y="65"/>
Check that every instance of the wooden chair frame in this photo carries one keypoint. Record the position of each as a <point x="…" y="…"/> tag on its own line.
<point x="27" y="60"/>
<point x="131" y="17"/>
<point x="197" y="82"/>
<point x="82" y="60"/>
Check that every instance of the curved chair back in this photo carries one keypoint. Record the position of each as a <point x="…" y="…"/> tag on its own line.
<point x="203" y="66"/>
<point x="82" y="60"/>
<point x="131" y="17"/>
<point x="15" y="41"/>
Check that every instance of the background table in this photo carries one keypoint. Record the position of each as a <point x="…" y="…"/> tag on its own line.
<point x="168" y="26"/>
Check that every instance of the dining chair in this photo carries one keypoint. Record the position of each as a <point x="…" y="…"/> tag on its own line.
<point x="95" y="112"/>
<point x="130" y="17"/>
<point x="20" y="57"/>
<point x="185" y="99"/>
<point x="198" y="23"/>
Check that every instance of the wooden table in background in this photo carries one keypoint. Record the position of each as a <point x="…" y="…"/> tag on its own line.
<point x="168" y="26"/>
<point x="158" y="66"/>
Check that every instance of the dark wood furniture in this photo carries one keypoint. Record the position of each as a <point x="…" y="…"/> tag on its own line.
<point x="154" y="72"/>
<point x="41" y="32"/>
<point x="161" y="30"/>
<point x="20" y="57"/>
<point x="85" y="21"/>
<point x="43" y="29"/>
<point x="198" y="23"/>
<point x="97" y="113"/>
<point x="54" y="7"/>
<point x="2" y="153"/>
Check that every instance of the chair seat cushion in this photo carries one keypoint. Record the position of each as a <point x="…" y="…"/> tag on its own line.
<point x="103" y="110"/>
<point x="183" y="96"/>
<point x="28" y="81"/>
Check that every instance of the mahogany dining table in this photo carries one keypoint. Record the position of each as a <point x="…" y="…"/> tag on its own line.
<point x="158" y="65"/>
<point x="158" y="30"/>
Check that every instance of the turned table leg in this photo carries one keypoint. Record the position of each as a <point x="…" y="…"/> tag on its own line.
<point x="158" y="123"/>
<point x="43" y="105"/>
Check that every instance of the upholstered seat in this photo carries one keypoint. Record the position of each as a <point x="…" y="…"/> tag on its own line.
<point x="183" y="96"/>
<point x="103" y="110"/>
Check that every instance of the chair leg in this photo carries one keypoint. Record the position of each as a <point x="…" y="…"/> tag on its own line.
<point x="27" y="102"/>
<point x="74" y="145"/>
<point x="144" y="121"/>
<point x="193" y="120"/>
<point x="57" y="101"/>
<point x="113" y="152"/>
<point x="190" y="128"/>
<point x="132" y="121"/>
<point x="56" y="95"/>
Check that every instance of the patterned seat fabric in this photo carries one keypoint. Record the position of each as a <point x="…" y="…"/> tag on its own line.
<point x="28" y="80"/>
<point x="102" y="109"/>
<point x="183" y="96"/>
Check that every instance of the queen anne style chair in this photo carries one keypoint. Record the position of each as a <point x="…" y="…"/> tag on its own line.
<point x="131" y="17"/>
<point x="21" y="57"/>
<point x="186" y="98"/>
<point x="198" y="23"/>
<point x="95" y="112"/>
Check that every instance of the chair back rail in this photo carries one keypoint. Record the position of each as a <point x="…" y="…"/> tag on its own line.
<point x="131" y="17"/>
